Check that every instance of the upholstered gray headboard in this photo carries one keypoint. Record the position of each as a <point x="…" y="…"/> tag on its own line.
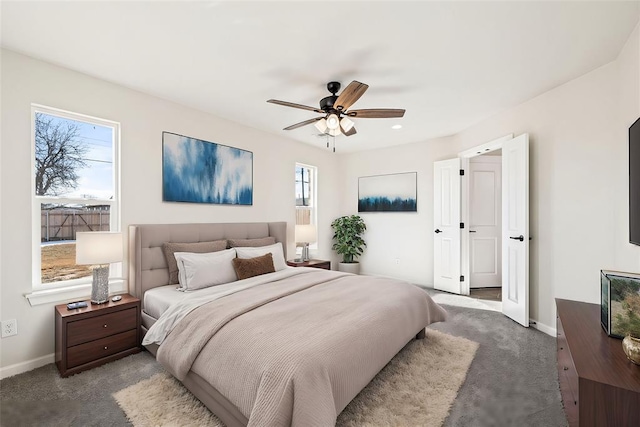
<point x="147" y="265"/>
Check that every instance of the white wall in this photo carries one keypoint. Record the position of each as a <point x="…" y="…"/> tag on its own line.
<point x="399" y="244"/>
<point x="578" y="189"/>
<point x="142" y="119"/>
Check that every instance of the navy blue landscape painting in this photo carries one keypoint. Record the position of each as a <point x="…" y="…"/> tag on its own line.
<point x="388" y="193"/>
<point x="203" y="172"/>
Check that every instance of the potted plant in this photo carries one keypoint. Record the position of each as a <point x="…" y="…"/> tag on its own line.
<point x="348" y="241"/>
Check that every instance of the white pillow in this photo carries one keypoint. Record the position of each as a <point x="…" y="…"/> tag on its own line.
<point x="276" y="251"/>
<point x="197" y="271"/>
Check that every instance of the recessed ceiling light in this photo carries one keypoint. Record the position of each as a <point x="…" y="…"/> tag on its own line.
<point x="396" y="127"/>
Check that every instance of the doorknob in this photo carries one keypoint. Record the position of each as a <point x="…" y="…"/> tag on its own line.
<point x="520" y="237"/>
<point x="438" y="231"/>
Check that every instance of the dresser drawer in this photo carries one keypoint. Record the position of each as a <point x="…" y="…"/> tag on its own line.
<point x="94" y="350"/>
<point x="82" y="331"/>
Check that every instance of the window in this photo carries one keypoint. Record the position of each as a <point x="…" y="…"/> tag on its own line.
<point x="306" y="197"/>
<point x="305" y="194"/>
<point x="75" y="188"/>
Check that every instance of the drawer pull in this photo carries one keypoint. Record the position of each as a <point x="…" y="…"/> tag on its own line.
<point x="561" y="348"/>
<point x="105" y="347"/>
<point x="565" y="368"/>
<point x="105" y="325"/>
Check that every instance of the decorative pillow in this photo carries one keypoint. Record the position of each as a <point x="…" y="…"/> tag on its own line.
<point x="251" y="243"/>
<point x="200" y="247"/>
<point x="246" y="268"/>
<point x="197" y="271"/>
<point x="276" y="250"/>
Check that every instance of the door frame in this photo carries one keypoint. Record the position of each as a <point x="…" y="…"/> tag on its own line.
<point x="496" y="144"/>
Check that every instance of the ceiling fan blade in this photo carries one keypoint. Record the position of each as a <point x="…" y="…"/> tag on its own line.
<point x="294" y="105"/>
<point x="376" y="113"/>
<point x="350" y="95"/>
<point x="306" y="122"/>
<point x="351" y="131"/>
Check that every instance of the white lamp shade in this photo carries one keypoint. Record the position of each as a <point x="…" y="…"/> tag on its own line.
<point x="346" y="124"/>
<point x="306" y="234"/>
<point x="98" y="247"/>
<point x="333" y="122"/>
<point x="321" y="125"/>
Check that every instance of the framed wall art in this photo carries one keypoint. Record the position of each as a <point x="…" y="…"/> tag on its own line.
<point x="198" y="171"/>
<point x="388" y="193"/>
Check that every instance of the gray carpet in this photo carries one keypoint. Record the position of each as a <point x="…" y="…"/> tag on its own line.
<point x="511" y="382"/>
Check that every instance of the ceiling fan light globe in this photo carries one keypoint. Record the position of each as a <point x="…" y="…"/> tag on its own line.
<point x="334" y="132"/>
<point x="321" y="125"/>
<point x="346" y="124"/>
<point x="333" y="122"/>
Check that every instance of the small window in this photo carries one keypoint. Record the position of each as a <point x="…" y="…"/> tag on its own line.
<point x="75" y="188"/>
<point x="306" y="199"/>
<point x="305" y="194"/>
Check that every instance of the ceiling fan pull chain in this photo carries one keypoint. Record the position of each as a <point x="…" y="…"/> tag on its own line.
<point x="334" y="143"/>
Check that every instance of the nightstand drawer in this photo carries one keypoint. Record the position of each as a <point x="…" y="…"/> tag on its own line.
<point x="82" y="331"/>
<point x="94" y="350"/>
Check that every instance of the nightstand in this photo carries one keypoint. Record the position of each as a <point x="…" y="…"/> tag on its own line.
<point x="99" y="333"/>
<point x="315" y="263"/>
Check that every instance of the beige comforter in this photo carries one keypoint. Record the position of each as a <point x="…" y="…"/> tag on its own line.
<point x="296" y="351"/>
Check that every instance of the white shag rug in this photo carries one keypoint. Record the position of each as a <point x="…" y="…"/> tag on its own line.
<point x="417" y="387"/>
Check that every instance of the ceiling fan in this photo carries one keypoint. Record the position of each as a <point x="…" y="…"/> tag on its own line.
<point x="336" y="116"/>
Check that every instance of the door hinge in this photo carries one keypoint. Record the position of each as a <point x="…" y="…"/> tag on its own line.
<point x="461" y="172"/>
<point x="462" y="278"/>
<point x="462" y="225"/>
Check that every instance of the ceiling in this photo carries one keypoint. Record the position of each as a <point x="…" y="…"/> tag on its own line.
<point x="449" y="64"/>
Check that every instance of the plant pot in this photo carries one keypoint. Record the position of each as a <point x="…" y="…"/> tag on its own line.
<point x="631" y="347"/>
<point x="349" y="267"/>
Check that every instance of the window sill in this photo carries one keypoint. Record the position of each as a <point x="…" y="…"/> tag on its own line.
<point x="71" y="293"/>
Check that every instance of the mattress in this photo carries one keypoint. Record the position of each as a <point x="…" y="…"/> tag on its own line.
<point x="157" y="300"/>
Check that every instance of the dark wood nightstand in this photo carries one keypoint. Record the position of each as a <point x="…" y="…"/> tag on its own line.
<point x="315" y="263"/>
<point x="97" y="334"/>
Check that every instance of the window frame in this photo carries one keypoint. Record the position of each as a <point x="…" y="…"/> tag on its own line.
<point x="57" y="291"/>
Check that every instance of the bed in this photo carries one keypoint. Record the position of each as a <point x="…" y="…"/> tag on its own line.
<point x="292" y="347"/>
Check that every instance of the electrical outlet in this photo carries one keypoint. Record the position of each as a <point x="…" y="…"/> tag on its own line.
<point x="397" y="261"/>
<point x="9" y="328"/>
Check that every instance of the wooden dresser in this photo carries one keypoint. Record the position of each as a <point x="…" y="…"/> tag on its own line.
<point x="599" y="385"/>
<point x="97" y="334"/>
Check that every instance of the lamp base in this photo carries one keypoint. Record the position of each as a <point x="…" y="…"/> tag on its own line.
<point x="305" y="252"/>
<point x="100" y="285"/>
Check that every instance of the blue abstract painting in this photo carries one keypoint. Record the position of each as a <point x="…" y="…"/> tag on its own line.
<point x="388" y="193"/>
<point x="198" y="171"/>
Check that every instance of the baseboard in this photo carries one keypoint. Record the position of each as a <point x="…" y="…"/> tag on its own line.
<point x="542" y="327"/>
<point x="18" y="368"/>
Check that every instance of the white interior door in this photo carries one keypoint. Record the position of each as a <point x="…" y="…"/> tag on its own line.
<point x="515" y="229"/>
<point x="446" y="220"/>
<point x="485" y="225"/>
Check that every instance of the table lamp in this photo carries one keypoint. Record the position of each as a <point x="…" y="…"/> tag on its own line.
<point x="306" y="234"/>
<point x="99" y="248"/>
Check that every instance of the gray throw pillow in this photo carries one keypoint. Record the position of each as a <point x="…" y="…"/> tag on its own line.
<point x="251" y="243"/>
